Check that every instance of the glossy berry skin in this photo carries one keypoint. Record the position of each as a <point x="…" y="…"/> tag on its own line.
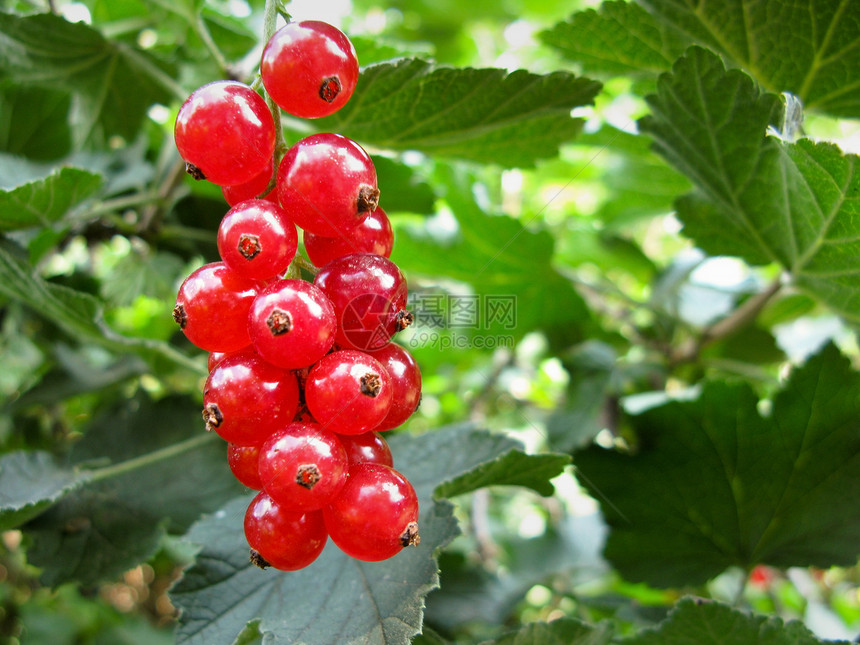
<point x="303" y="466"/>
<point x="226" y="132"/>
<point x="369" y="294"/>
<point x="245" y="399"/>
<point x="368" y="447"/>
<point x="256" y="239"/>
<point x="375" y="515"/>
<point x="292" y="323"/>
<point x="373" y="235"/>
<point x="243" y="464"/>
<point x="250" y="189"/>
<point x="348" y="392"/>
<point x="309" y="68"/>
<point x="212" y="308"/>
<point x="405" y="377"/>
<point x="285" y="539"/>
<point x="327" y="184"/>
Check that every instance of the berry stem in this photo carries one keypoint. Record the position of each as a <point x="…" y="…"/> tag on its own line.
<point x="270" y="26"/>
<point x="202" y="32"/>
<point x="130" y="465"/>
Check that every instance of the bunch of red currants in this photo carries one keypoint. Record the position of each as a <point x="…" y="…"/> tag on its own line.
<point x="303" y="376"/>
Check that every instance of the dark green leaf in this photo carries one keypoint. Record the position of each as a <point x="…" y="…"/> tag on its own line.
<point x="564" y="631"/>
<point x="114" y="83"/>
<point x="715" y="484"/>
<point x="29" y="483"/>
<point x="45" y="201"/>
<point x="760" y="198"/>
<point x="483" y="115"/>
<point x="34" y="123"/>
<point x="702" y="622"/>
<point x="402" y="189"/>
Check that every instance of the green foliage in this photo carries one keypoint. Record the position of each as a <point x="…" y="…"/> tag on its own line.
<point x="656" y="442"/>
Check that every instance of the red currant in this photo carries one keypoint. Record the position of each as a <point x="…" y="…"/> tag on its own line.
<point x="245" y="399"/>
<point x="225" y="131"/>
<point x="309" y="68"/>
<point x="369" y="294"/>
<point x="368" y="447"/>
<point x="285" y="539"/>
<point x="373" y="235"/>
<point x="375" y="514"/>
<point x="292" y="323"/>
<point x="303" y="466"/>
<point x="250" y="189"/>
<point x="348" y="392"/>
<point x="243" y="463"/>
<point x="212" y="308"/>
<point x="327" y="184"/>
<point x="405" y="377"/>
<point x="256" y="239"/>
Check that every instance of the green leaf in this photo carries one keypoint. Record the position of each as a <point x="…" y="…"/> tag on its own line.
<point x="113" y="83"/>
<point x="701" y="622"/>
<point x="564" y="631"/>
<point x="29" y="483"/>
<point x="45" y="201"/>
<point x="797" y="204"/>
<point x="163" y="471"/>
<point x="484" y="115"/>
<point x="809" y="48"/>
<point x="34" y="122"/>
<point x="402" y="189"/>
<point x="618" y="38"/>
<point x="715" y="484"/>
<point x="361" y="602"/>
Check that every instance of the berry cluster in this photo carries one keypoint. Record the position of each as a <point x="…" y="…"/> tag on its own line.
<point x="303" y="376"/>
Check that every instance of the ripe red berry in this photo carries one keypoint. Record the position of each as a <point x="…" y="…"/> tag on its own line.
<point x="368" y="447"/>
<point x="327" y="184"/>
<point x="292" y="323"/>
<point x="348" y="392"/>
<point x="405" y="377"/>
<point x="303" y="466"/>
<point x="243" y="464"/>
<point x="309" y="68"/>
<point x="256" y="239"/>
<point x="373" y="235"/>
<point x="283" y="538"/>
<point x="245" y="399"/>
<point x="212" y="308"/>
<point x="369" y="294"/>
<point x="226" y="132"/>
<point x="251" y="189"/>
<point x="375" y="515"/>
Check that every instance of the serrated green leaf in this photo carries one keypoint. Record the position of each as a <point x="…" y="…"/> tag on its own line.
<point x="361" y="602"/>
<point x="114" y="83"/>
<point x="705" y="622"/>
<point x="484" y="115"/>
<point x="29" y="483"/>
<point x="564" y="631"/>
<point x="46" y="201"/>
<point x="617" y="38"/>
<point x="513" y="468"/>
<point x="163" y="471"/>
<point x="810" y="48"/>
<point x="715" y="484"/>
<point x="797" y="204"/>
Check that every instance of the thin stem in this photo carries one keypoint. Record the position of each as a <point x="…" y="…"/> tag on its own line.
<point x="122" y="203"/>
<point x="130" y="465"/>
<point x="270" y="26"/>
<point x="202" y="31"/>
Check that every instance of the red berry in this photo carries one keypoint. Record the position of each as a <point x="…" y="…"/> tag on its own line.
<point x="285" y="539"/>
<point x="368" y="447"/>
<point x="348" y="392"/>
<point x="405" y="377"/>
<point x="256" y="239"/>
<point x="369" y="294"/>
<point x="251" y="189"/>
<point x="245" y="399"/>
<point x="309" y="68"/>
<point x="292" y="323"/>
<point x="375" y="515"/>
<point x="212" y="308"/>
<point x="327" y="184"/>
<point x="226" y="132"/>
<point x="373" y="235"/>
<point x="303" y="466"/>
<point x="243" y="463"/>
